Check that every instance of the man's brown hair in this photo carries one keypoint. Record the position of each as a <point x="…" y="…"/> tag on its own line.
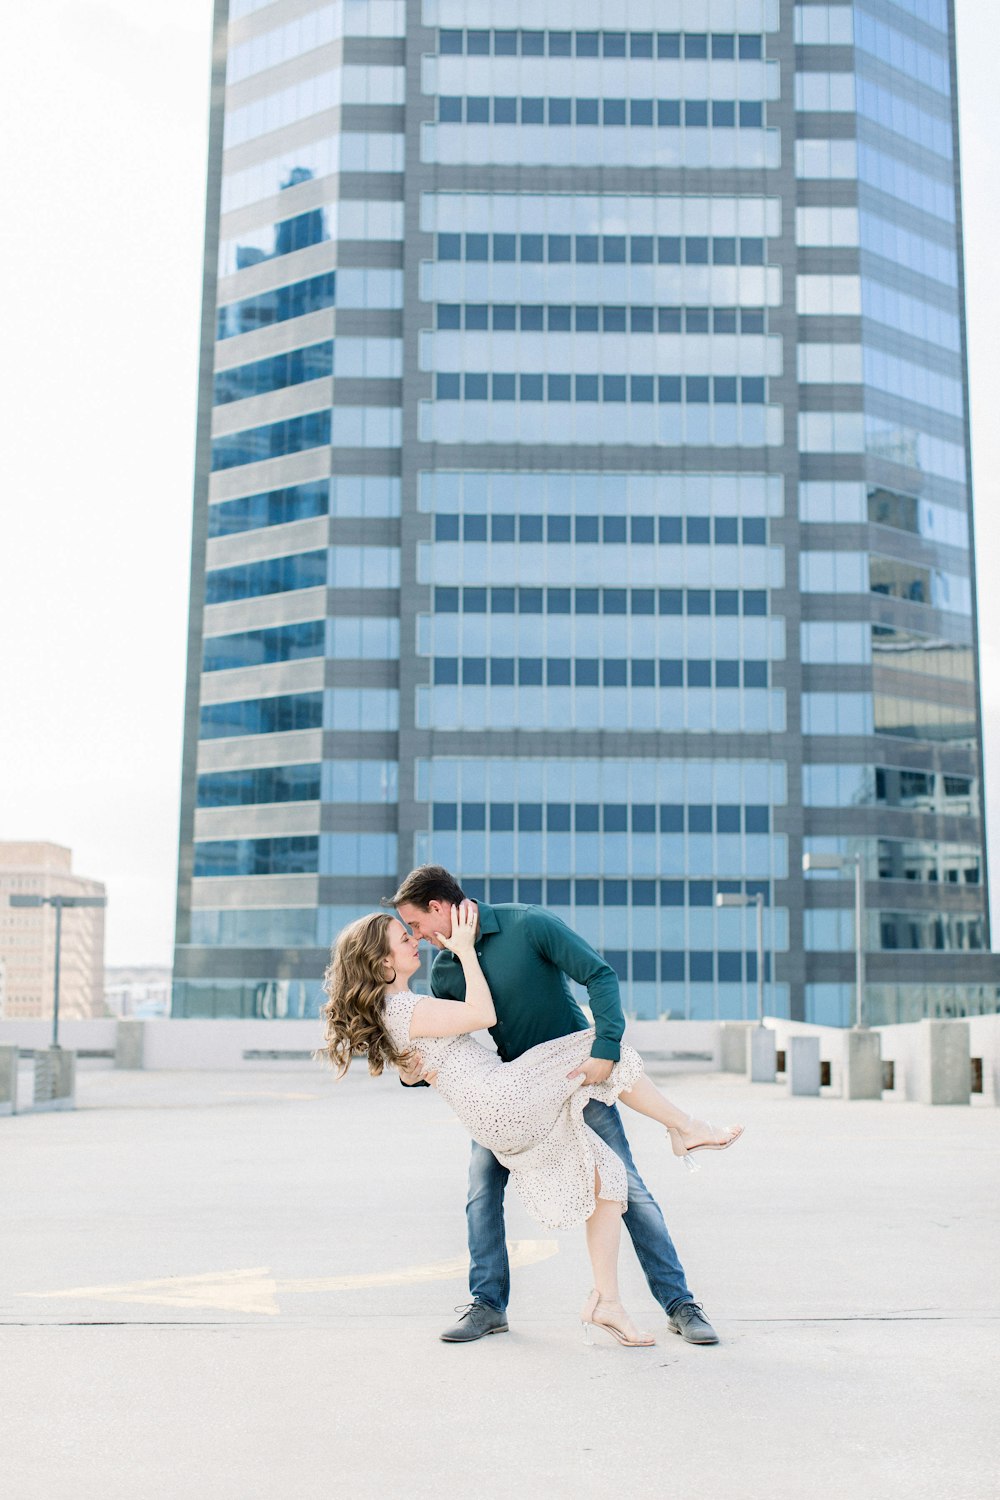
<point x="425" y="884"/>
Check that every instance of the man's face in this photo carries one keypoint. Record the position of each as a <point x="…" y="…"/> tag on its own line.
<point x="426" y="924"/>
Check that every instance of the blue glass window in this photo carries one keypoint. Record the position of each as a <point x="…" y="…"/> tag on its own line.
<point x="672" y="966"/>
<point x="730" y="966"/>
<point x="529" y="817"/>
<point x="259" y="784"/>
<point x="444" y="817"/>
<point x="261" y="716"/>
<point x="254" y="648"/>
<point x="671" y="817"/>
<point x="277" y="306"/>
<point x="272" y="441"/>
<point x="272" y="575"/>
<point x="295" y="855"/>
<point x="299" y="502"/>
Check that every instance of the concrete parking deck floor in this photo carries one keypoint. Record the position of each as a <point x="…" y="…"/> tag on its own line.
<point x="231" y="1285"/>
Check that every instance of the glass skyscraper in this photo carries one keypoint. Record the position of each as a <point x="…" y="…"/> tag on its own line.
<point x="582" y="496"/>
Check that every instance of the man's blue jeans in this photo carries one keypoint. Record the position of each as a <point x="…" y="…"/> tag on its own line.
<point x="489" y="1272"/>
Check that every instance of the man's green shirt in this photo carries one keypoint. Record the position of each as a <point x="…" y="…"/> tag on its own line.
<point x="526" y="954"/>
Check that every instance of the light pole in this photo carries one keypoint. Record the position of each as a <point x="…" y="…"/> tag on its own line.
<point x="844" y="862"/>
<point x="862" y="1048"/>
<point x="762" y="1055"/>
<point x="57" y="902"/>
<point x="726" y="898"/>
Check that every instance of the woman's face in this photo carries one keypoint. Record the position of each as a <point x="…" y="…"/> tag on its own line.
<point x="404" y="954"/>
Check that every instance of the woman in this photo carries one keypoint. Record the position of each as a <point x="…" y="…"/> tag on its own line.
<point x="528" y="1112"/>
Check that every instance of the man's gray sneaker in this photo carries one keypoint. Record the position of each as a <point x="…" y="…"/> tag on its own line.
<point x="477" y="1320"/>
<point x="690" y="1322"/>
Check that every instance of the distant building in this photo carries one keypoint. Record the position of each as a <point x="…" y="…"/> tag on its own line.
<point x="27" y="936"/>
<point x="137" y="990"/>
<point x="583" y="496"/>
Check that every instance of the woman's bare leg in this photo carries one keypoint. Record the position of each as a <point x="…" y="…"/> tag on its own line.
<point x="646" y="1099"/>
<point x="604" y="1232"/>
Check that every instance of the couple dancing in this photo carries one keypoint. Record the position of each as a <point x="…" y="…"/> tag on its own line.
<point x="541" y="1110"/>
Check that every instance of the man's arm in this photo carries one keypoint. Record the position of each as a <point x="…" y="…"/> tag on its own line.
<point x="568" y="951"/>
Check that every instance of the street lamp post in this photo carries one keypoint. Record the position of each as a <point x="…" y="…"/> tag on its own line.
<point x="862" y="1047"/>
<point x="58" y="903"/>
<point x="762" y="1053"/>
<point x="726" y="898"/>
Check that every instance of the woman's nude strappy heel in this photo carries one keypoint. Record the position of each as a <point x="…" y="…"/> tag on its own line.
<point x="686" y="1152"/>
<point x="642" y="1341"/>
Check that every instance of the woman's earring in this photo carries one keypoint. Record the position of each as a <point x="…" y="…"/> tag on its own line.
<point x="392" y="978"/>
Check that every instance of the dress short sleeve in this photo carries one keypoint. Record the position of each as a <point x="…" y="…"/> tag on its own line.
<point x="397" y="1014"/>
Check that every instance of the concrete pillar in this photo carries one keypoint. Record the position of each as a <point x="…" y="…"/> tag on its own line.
<point x="733" y="1046"/>
<point x="944" y="1062"/>
<point x="130" y="1041"/>
<point x="862" y="1064"/>
<point x="803" y="1065"/>
<point x="8" y="1080"/>
<point x="762" y="1061"/>
<point x="55" y="1078"/>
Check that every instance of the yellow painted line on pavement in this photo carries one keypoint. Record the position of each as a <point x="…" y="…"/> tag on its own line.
<point x="255" y="1290"/>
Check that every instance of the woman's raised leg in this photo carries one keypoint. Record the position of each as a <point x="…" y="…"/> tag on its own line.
<point x="690" y="1133"/>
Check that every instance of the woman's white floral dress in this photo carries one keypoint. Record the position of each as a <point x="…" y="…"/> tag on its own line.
<point x="528" y="1113"/>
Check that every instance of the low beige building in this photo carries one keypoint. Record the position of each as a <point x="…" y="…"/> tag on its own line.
<point x="27" y="936"/>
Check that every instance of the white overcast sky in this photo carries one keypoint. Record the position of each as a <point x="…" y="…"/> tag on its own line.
<point x="103" y="112"/>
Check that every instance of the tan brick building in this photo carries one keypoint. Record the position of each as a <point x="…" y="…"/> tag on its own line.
<point x="27" y="936"/>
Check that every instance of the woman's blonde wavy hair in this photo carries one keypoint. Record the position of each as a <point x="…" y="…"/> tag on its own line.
<point x="355" y="982"/>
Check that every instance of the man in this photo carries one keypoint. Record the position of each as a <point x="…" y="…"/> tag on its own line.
<point x="528" y="956"/>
